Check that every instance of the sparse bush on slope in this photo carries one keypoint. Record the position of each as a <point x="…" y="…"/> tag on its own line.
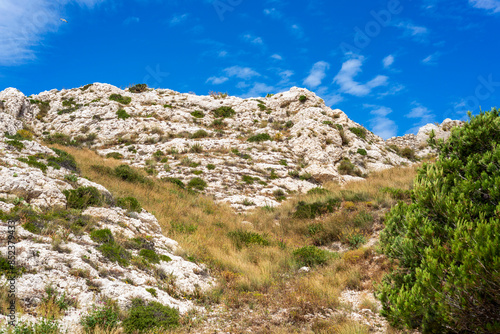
<point x="446" y="241"/>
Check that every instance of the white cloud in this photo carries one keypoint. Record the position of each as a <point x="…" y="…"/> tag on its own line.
<point x="222" y="53"/>
<point x="388" y="61"/>
<point x="345" y="79"/>
<point x="130" y="20"/>
<point x="178" y="19"/>
<point x="277" y="57"/>
<point x="253" y="39"/>
<point x="317" y="74"/>
<point x="381" y="125"/>
<point x="491" y="5"/>
<point x="217" y="80"/>
<point x="24" y="24"/>
<point x="244" y="73"/>
<point x="332" y="99"/>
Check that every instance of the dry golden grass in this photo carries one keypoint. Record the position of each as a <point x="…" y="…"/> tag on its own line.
<point x="265" y="275"/>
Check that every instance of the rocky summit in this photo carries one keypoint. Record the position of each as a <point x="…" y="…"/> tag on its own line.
<point x="249" y="153"/>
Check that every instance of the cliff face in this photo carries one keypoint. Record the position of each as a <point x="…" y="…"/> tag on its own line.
<point x="245" y="150"/>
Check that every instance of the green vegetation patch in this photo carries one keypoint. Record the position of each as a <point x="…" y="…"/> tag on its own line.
<point x="129" y="203"/>
<point x="64" y="160"/>
<point x="102" y="236"/>
<point x="18" y="145"/>
<point x="362" y="151"/>
<point x="175" y="181"/>
<point x="312" y="210"/>
<point x="311" y="256"/>
<point x="139" y="88"/>
<point x="114" y="155"/>
<point x="346" y="167"/>
<point x="198" y="114"/>
<point x="223" y="112"/>
<point x="360" y="132"/>
<point x="83" y="197"/>
<point x="247" y="238"/>
<point x="144" y="317"/>
<point x="197" y="183"/>
<point x="122" y="114"/>
<point x="199" y="134"/>
<point x="259" y="138"/>
<point x="105" y="317"/>
<point x="149" y="255"/>
<point x="120" y="99"/>
<point x="33" y="162"/>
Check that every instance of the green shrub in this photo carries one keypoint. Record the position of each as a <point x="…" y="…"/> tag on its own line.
<point x="64" y="160"/>
<point x="84" y="88"/>
<point x="139" y="88"/>
<point x="104" y="317"/>
<point x="199" y="134"/>
<point x="396" y="193"/>
<point x="122" y="114"/>
<point x="259" y="138"/>
<point x="20" y="135"/>
<point x="355" y="240"/>
<point x="247" y="238"/>
<point x="312" y="210"/>
<point x="408" y="153"/>
<point x="223" y="112"/>
<point x="360" y="132"/>
<point x="152" y="291"/>
<point x="115" y="253"/>
<point x="362" y="151"/>
<point x="126" y="173"/>
<point x="302" y="98"/>
<point x="175" y="181"/>
<point x="150" y="255"/>
<point x="144" y="317"/>
<point x="83" y="197"/>
<point x="102" y="236"/>
<point x="329" y="123"/>
<point x="210" y="166"/>
<point x="289" y="124"/>
<point x="197" y="183"/>
<point x="129" y="203"/>
<point x="310" y="256"/>
<point x="446" y="241"/>
<point x="8" y="269"/>
<point x="120" y="99"/>
<point x="198" y="114"/>
<point x="247" y="179"/>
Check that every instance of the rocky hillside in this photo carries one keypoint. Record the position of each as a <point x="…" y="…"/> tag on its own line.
<point x="248" y="152"/>
<point x="79" y="244"/>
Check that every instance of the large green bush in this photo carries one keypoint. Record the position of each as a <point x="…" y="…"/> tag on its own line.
<point x="446" y="241"/>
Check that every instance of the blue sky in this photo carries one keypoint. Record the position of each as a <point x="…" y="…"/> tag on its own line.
<point x="390" y="65"/>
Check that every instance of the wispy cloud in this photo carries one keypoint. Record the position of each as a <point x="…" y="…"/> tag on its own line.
<point x="244" y="73"/>
<point x="490" y="5"/>
<point x="277" y="57"/>
<point x="422" y="114"/>
<point x="317" y="74"/>
<point x="25" y="23"/>
<point x="417" y="33"/>
<point x="380" y="124"/>
<point x="388" y="61"/>
<point x="217" y="80"/>
<point x="350" y="69"/>
<point x="297" y="31"/>
<point x="273" y="13"/>
<point x="252" y="39"/>
<point x="178" y="19"/>
<point x="259" y="89"/>
<point x="130" y="20"/>
<point x="431" y="59"/>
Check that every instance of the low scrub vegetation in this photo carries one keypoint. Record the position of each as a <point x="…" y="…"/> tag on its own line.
<point x="120" y="99"/>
